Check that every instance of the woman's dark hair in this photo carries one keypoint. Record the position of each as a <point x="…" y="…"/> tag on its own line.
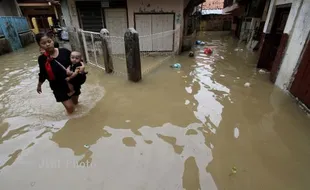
<point x="40" y="35"/>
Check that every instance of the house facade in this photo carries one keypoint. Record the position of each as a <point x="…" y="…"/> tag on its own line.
<point x="146" y="16"/>
<point x="9" y="8"/>
<point x="249" y="17"/>
<point x="212" y="18"/>
<point x="286" y="49"/>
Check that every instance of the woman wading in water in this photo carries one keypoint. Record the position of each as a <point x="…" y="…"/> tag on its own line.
<point x="53" y="63"/>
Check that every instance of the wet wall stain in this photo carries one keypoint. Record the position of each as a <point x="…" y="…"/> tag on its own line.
<point x="129" y="141"/>
<point x="191" y="175"/>
<point x="172" y="140"/>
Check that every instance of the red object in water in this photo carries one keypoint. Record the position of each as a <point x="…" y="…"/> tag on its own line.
<point x="208" y="51"/>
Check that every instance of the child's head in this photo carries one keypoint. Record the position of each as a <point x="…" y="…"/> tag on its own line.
<point x="75" y="57"/>
<point x="45" y="42"/>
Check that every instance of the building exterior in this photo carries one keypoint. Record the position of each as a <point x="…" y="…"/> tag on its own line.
<point x="248" y="19"/>
<point x="213" y="5"/>
<point x="14" y="29"/>
<point x="212" y="18"/>
<point x="37" y="13"/>
<point x="9" y="8"/>
<point x="285" y="48"/>
<point x="146" y="16"/>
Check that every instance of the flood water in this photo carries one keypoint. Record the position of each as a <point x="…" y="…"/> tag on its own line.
<point x="197" y="127"/>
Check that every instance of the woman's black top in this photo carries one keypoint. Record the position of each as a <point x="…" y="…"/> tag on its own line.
<point x="59" y="72"/>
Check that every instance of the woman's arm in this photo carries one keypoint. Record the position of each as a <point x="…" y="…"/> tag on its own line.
<point x="42" y="76"/>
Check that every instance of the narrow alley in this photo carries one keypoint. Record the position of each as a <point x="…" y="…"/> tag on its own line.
<point x="215" y="123"/>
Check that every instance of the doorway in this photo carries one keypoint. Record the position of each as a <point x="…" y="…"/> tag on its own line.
<point x="301" y="85"/>
<point x="274" y="42"/>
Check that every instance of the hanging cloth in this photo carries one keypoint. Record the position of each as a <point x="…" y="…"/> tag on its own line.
<point x="48" y="66"/>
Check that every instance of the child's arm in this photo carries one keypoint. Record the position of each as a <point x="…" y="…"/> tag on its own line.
<point x="74" y="74"/>
<point x="82" y="68"/>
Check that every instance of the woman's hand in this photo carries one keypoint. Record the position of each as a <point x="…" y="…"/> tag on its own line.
<point x="69" y="73"/>
<point x="39" y="88"/>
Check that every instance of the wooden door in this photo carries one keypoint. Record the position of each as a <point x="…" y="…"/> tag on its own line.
<point x="155" y="31"/>
<point x="301" y="84"/>
<point x="116" y="21"/>
<point x="144" y="28"/>
<point x="272" y="41"/>
<point x="162" y="30"/>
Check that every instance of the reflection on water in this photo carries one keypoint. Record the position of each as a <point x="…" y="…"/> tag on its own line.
<point x="181" y="128"/>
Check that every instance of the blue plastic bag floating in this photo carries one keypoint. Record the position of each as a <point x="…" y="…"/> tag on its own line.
<point x="176" y="66"/>
<point x="198" y="42"/>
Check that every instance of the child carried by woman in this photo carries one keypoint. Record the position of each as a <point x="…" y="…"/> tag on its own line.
<point x="76" y="72"/>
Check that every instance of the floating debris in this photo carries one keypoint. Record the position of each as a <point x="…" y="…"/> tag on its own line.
<point x="187" y="102"/>
<point x="127" y="121"/>
<point x="176" y="66"/>
<point x="207" y="51"/>
<point x="86" y="146"/>
<point x="222" y="75"/>
<point x="238" y="77"/>
<point x="6" y="69"/>
<point x="247" y="84"/>
<point x="222" y="57"/>
<point x="262" y="71"/>
<point x="238" y="49"/>
<point x="236" y="132"/>
<point x="198" y="42"/>
<point x="191" y="54"/>
<point x="234" y="170"/>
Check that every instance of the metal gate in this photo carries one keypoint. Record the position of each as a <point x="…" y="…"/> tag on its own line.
<point x="10" y="27"/>
<point x="301" y="85"/>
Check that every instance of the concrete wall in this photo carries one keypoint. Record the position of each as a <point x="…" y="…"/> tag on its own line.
<point x="216" y="23"/>
<point x="159" y="6"/>
<point x="8" y="8"/>
<point x="299" y="31"/>
<point x="5" y="46"/>
<point x="26" y="38"/>
<point x="70" y="16"/>
<point x="297" y="27"/>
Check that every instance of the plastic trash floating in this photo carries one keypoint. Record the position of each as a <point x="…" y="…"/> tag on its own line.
<point x="176" y="65"/>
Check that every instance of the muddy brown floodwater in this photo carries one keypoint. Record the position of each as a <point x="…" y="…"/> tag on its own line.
<point x="192" y="128"/>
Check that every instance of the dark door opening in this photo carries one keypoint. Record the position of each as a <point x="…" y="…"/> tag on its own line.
<point x="301" y="86"/>
<point x="90" y="15"/>
<point x="273" y="40"/>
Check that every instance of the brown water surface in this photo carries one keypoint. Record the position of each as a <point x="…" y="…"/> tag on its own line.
<point x="197" y="127"/>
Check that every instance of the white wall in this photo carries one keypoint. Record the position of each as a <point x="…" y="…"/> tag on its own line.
<point x="290" y="21"/>
<point x="298" y="36"/>
<point x="152" y="6"/>
<point x="70" y="13"/>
